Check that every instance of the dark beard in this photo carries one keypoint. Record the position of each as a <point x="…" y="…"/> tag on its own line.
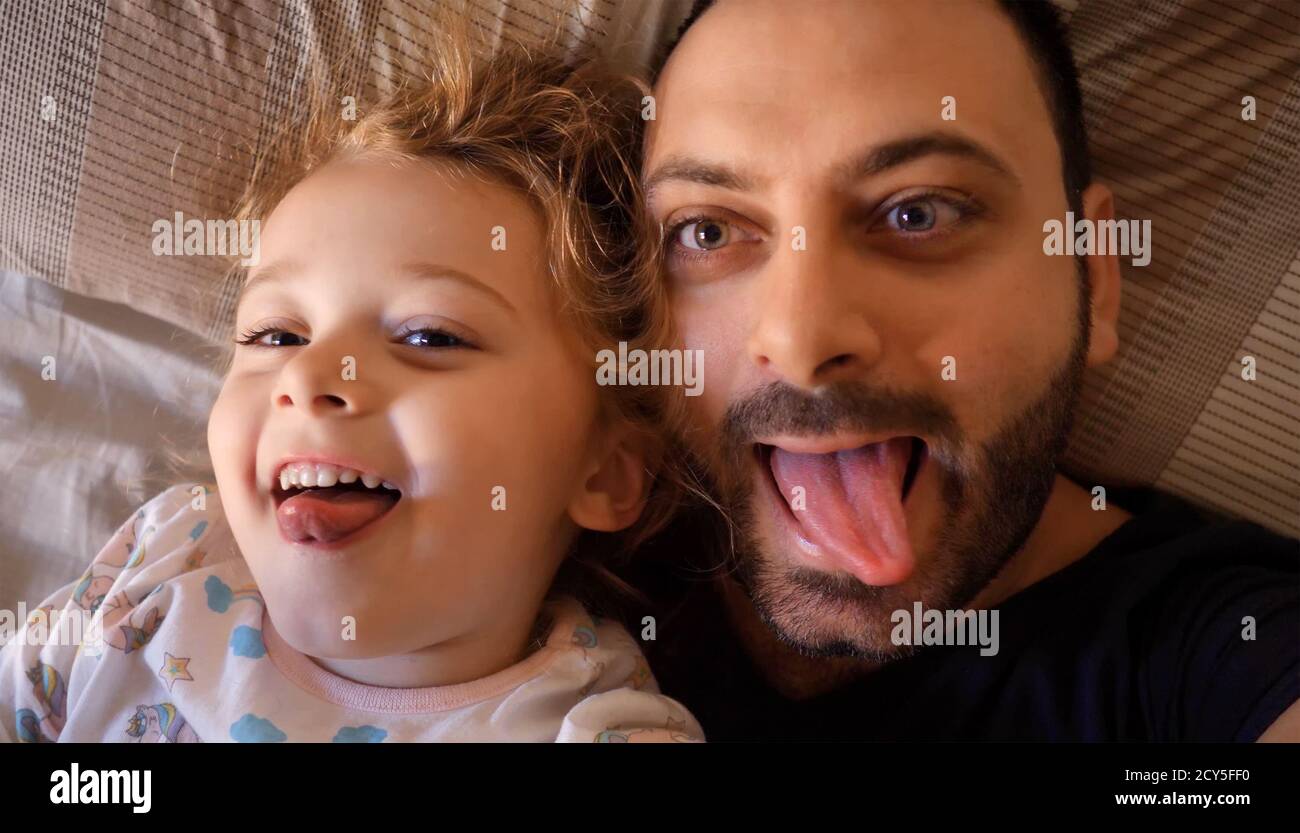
<point x="992" y="496"/>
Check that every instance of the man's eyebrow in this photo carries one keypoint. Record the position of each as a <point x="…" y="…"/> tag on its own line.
<point x="679" y="168"/>
<point x="874" y="160"/>
<point x="275" y="272"/>
<point x="897" y="152"/>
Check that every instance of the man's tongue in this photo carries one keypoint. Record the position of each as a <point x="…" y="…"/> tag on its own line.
<point x="325" y="515"/>
<point x="853" y="507"/>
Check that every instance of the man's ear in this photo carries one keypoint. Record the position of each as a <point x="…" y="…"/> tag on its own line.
<point x="617" y="485"/>
<point x="1104" y="280"/>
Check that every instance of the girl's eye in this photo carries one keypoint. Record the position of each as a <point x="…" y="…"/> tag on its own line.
<point x="702" y="235"/>
<point x="271" y="338"/>
<point x="425" y="337"/>
<point x="431" y="338"/>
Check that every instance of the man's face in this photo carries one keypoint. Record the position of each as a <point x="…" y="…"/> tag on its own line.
<point x="892" y="358"/>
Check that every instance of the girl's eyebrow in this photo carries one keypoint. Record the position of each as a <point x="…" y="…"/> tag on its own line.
<point x="437" y="271"/>
<point x="267" y="274"/>
<point x="279" y="271"/>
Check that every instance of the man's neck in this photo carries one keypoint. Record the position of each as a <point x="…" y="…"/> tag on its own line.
<point x="1068" y="529"/>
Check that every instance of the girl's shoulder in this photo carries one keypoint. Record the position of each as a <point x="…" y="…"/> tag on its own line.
<point x="180" y="530"/>
<point x="116" y="628"/>
<point x="177" y="520"/>
<point x="620" y="701"/>
<point x="607" y="652"/>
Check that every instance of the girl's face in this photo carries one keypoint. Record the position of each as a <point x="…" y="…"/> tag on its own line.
<point x="402" y="327"/>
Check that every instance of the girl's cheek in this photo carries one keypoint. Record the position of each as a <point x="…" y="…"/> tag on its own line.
<point x="233" y="429"/>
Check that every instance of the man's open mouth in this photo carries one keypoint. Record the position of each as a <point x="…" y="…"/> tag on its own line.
<point x="321" y="503"/>
<point x="846" y="506"/>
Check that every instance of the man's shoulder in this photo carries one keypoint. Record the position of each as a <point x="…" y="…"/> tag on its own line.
<point x="1213" y="629"/>
<point x="1169" y="548"/>
<point x="1179" y="625"/>
<point x="1171" y="585"/>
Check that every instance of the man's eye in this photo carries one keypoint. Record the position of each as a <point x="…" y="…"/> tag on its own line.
<point x="923" y="214"/>
<point x="271" y="338"/>
<point x="429" y="337"/>
<point x="703" y="235"/>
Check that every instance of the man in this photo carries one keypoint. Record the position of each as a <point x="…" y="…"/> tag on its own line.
<point x="854" y="197"/>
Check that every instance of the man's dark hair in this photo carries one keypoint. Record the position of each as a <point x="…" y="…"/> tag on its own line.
<point x="1040" y="26"/>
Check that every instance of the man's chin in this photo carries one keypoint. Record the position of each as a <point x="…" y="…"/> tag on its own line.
<point x="824" y="614"/>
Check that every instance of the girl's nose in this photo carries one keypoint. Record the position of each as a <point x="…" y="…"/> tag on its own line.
<point x="322" y="382"/>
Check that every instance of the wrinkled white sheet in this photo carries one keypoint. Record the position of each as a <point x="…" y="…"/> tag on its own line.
<point x="80" y="452"/>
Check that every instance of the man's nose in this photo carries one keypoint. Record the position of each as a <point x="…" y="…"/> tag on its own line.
<point x="323" y="380"/>
<point x="812" y="328"/>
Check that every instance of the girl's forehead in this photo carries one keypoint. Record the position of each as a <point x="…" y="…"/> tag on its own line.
<point x="371" y="191"/>
<point x="362" y="225"/>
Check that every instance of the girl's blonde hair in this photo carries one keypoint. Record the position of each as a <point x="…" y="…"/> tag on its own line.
<point x="565" y="133"/>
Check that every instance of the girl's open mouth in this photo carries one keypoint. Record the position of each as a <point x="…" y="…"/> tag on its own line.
<point x="329" y="514"/>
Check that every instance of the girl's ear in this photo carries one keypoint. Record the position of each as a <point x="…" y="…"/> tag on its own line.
<point x="617" y="485"/>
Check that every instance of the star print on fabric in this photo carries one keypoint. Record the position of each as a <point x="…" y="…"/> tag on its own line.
<point x="174" y="668"/>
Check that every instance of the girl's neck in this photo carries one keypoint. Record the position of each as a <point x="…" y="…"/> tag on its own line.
<point x="463" y="659"/>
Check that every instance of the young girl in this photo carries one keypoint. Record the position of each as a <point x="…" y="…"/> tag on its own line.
<point x="409" y="443"/>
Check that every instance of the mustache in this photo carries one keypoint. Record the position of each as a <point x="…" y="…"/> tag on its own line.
<point x="850" y="407"/>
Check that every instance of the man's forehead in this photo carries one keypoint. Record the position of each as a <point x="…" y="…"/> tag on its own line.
<point x="774" y="80"/>
<point x="844" y="33"/>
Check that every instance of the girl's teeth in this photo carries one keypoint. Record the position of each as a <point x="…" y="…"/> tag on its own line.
<point x="326" y="475"/>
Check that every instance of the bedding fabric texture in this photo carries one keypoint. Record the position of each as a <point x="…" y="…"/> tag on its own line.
<point x="85" y="448"/>
<point x="121" y="113"/>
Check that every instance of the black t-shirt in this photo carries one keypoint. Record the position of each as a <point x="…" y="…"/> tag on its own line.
<point x="1142" y="639"/>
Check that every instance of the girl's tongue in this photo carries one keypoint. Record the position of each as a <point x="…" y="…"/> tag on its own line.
<point x="326" y="515"/>
<point x="853" y="508"/>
